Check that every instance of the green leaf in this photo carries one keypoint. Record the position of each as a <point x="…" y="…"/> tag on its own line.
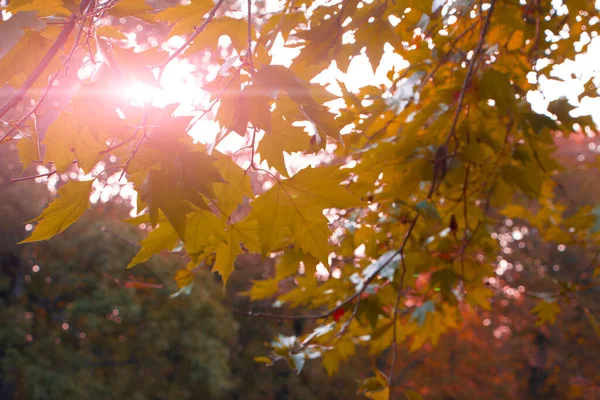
<point x="427" y="209"/>
<point x="420" y="313"/>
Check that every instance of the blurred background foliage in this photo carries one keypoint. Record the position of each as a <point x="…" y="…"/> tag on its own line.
<point x="77" y="325"/>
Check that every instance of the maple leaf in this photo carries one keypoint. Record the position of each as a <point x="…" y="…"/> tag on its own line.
<point x="292" y="210"/>
<point x="184" y="277"/>
<point x="132" y="8"/>
<point x="24" y="56"/>
<point x="235" y="29"/>
<point x="239" y="237"/>
<point x="72" y="201"/>
<point x="164" y="237"/>
<point x="546" y="311"/>
<point x="480" y="297"/>
<point x="164" y="194"/>
<point x="200" y="226"/>
<point x="375" y="35"/>
<point x="431" y="329"/>
<point x="235" y="187"/>
<point x="136" y="66"/>
<point x="185" y="17"/>
<point x="28" y="145"/>
<point x="96" y="113"/>
<point x="43" y="7"/>
<point x="343" y="349"/>
<point x="273" y="79"/>
<point x="283" y="138"/>
<point x="262" y="289"/>
<point x="64" y="142"/>
<point x="289" y="262"/>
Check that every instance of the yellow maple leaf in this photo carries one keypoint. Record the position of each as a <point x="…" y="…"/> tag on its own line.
<point x="44" y="8"/>
<point x="184" y="277"/>
<point x="431" y="324"/>
<point x="546" y="311"/>
<point x="185" y="17"/>
<point x="383" y="394"/>
<point x="343" y="349"/>
<point x="71" y="203"/>
<point x="24" y="56"/>
<point x="132" y="8"/>
<point x="230" y="194"/>
<point x="164" y="237"/>
<point x="200" y="226"/>
<point x="262" y="289"/>
<point x="28" y="145"/>
<point x="284" y="137"/>
<point x="479" y="297"/>
<point x="235" y="29"/>
<point x="244" y="234"/>
<point x="292" y="211"/>
<point x="64" y="143"/>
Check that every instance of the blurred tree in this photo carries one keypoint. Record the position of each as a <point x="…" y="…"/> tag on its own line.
<point x="74" y="324"/>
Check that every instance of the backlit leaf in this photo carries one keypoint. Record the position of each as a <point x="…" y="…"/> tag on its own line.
<point x="162" y="238"/>
<point x="71" y="203"/>
<point x="241" y="237"/>
<point x="292" y="211"/>
<point x="546" y="311"/>
<point x="64" y="143"/>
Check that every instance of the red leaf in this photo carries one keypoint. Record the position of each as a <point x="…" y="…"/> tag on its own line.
<point x="337" y="314"/>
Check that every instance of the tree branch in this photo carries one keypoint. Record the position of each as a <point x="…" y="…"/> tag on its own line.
<point x="43" y="64"/>
<point x="467" y="81"/>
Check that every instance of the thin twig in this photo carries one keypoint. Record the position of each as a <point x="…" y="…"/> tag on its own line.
<point x="135" y="150"/>
<point x="249" y="61"/>
<point x="446" y="57"/>
<point x="34" y="109"/>
<point x="467" y="81"/>
<point x="73" y="49"/>
<point x="395" y="329"/>
<point x="27" y="178"/>
<point x="193" y="36"/>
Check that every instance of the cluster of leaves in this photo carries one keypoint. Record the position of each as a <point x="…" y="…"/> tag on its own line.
<point x="400" y="219"/>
